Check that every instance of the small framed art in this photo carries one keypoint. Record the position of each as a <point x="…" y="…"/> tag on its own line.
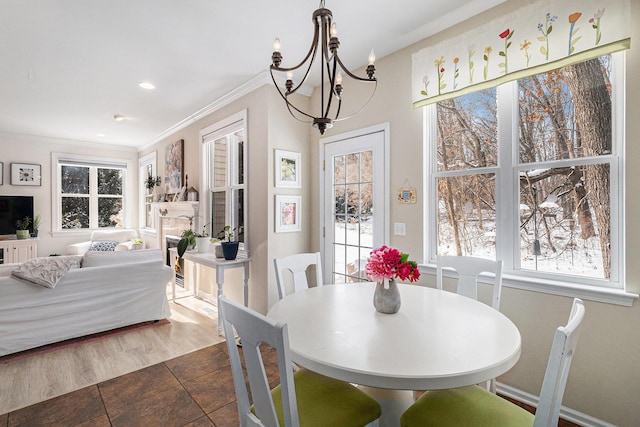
<point x="26" y="174"/>
<point x="287" y="169"/>
<point x="287" y="213"/>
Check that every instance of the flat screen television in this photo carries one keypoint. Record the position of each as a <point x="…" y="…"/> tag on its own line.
<point x="13" y="208"/>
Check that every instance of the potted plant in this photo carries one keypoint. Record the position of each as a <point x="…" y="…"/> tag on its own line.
<point x="229" y="246"/>
<point x="36" y="225"/>
<point x="190" y="239"/>
<point x="22" y="226"/>
<point x="152" y="181"/>
<point x="203" y="240"/>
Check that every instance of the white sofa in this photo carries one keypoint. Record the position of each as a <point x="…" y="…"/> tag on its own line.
<point x="122" y="237"/>
<point x="111" y="290"/>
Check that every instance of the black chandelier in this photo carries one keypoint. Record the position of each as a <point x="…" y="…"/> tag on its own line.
<point x="325" y="40"/>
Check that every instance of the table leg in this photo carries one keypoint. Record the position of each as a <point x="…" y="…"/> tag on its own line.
<point x="220" y="283"/>
<point x="246" y="284"/>
<point x="393" y="402"/>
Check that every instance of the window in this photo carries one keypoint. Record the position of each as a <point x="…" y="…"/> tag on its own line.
<point x="224" y="176"/>
<point x="90" y="194"/>
<point x="146" y="168"/>
<point x="530" y="172"/>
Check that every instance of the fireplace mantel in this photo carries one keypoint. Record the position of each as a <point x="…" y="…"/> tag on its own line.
<point x="171" y="218"/>
<point x="176" y="209"/>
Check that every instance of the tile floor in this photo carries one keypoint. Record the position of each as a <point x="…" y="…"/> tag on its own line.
<point x="191" y="390"/>
<point x="194" y="390"/>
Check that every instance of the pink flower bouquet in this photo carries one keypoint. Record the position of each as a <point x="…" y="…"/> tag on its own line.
<point x="389" y="263"/>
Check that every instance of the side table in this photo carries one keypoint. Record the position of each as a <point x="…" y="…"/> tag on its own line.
<point x="220" y="265"/>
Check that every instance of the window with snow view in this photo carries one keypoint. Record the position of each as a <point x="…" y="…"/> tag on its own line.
<point x="529" y="172"/>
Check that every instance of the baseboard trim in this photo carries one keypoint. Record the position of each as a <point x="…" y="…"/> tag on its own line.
<point x="566" y="413"/>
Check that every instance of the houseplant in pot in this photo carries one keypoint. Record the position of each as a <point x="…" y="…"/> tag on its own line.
<point x="229" y="246"/>
<point x="190" y="239"/>
<point x="22" y="228"/>
<point x="36" y="225"/>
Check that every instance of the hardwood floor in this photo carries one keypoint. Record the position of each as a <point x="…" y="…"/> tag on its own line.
<point x="24" y="382"/>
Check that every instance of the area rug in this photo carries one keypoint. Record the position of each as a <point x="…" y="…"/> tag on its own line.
<point x="80" y="340"/>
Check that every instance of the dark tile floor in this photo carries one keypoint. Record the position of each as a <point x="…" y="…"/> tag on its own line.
<point x="194" y="390"/>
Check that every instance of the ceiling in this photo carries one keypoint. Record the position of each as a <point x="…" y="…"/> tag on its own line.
<point x="68" y="66"/>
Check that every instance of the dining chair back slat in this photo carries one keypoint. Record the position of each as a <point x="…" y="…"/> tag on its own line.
<point x="297" y="264"/>
<point x="563" y="348"/>
<point x="468" y="269"/>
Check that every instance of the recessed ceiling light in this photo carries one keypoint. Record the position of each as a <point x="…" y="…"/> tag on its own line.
<point x="118" y="117"/>
<point x="147" y="85"/>
<point x="101" y="135"/>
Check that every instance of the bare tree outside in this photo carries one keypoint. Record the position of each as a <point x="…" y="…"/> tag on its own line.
<point x="563" y="169"/>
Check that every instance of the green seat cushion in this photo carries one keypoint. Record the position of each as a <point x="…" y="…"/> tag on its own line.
<point x="465" y="406"/>
<point x="323" y="402"/>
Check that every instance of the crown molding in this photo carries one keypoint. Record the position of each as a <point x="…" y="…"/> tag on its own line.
<point x="256" y="82"/>
<point x="242" y="90"/>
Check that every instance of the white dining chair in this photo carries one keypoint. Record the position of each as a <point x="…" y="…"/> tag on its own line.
<point x="302" y="398"/>
<point x="475" y="406"/>
<point x="468" y="269"/>
<point x="297" y="264"/>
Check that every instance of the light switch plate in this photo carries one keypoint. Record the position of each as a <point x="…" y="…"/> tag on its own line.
<point x="399" y="229"/>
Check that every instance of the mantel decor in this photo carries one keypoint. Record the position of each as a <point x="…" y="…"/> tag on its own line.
<point x="385" y="264"/>
<point x="174" y="166"/>
<point x="325" y="45"/>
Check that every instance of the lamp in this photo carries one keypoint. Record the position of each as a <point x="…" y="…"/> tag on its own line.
<point x="326" y="43"/>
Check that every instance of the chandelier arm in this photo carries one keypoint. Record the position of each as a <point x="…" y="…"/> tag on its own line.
<point x="350" y="74"/>
<point x="331" y="74"/>
<point x="363" y="107"/>
<point x="289" y="105"/>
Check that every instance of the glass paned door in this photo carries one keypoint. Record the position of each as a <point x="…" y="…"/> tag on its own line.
<point x="353" y="205"/>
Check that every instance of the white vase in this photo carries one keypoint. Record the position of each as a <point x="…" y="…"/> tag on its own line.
<point x="386" y="298"/>
<point x="202" y="244"/>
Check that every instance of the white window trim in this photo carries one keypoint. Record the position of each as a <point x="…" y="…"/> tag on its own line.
<point x="56" y="195"/>
<point x="611" y="291"/>
<point x="207" y="135"/>
<point x="143" y="162"/>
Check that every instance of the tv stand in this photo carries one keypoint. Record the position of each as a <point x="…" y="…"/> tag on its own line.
<point x="14" y="250"/>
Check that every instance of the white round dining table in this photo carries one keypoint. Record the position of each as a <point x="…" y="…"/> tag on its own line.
<point x="437" y="339"/>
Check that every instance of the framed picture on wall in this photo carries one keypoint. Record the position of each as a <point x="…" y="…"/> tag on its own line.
<point x="174" y="166"/>
<point x="26" y="174"/>
<point x="287" y="213"/>
<point x="287" y="169"/>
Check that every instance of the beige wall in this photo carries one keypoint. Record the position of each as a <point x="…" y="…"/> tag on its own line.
<point x="604" y="381"/>
<point x="269" y="127"/>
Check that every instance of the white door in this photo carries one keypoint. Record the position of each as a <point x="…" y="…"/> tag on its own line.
<point x="355" y="212"/>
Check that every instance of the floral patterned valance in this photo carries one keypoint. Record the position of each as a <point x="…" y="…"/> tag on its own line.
<point x="544" y="35"/>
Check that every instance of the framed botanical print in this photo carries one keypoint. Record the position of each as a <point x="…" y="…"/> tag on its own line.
<point x="287" y="169"/>
<point x="287" y="213"/>
<point x="26" y="174"/>
<point x="174" y="166"/>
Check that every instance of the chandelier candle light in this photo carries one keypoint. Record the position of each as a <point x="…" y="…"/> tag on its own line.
<point x="325" y="43"/>
<point x="385" y="264"/>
